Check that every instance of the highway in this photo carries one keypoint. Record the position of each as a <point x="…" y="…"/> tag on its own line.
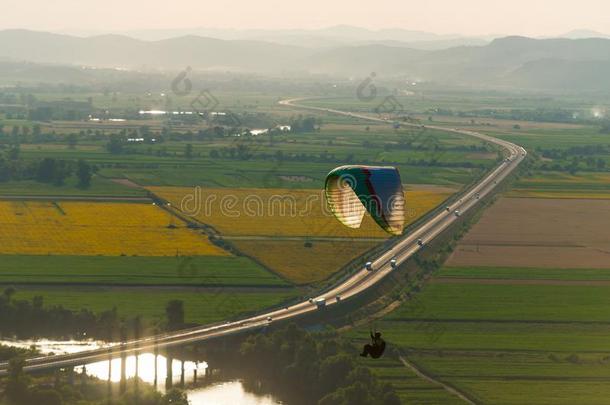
<point x="402" y="250"/>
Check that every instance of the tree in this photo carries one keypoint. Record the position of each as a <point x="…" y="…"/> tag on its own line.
<point x="174" y="311"/>
<point x="84" y="174"/>
<point x="17" y="385"/>
<point x="46" y="170"/>
<point x="175" y="397"/>
<point x="36" y="130"/>
<point x="13" y="153"/>
<point x="115" y="145"/>
<point x="188" y="151"/>
<point x="72" y="141"/>
<point x="9" y="292"/>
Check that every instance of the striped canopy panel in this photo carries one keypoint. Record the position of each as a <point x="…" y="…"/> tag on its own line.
<point x="352" y="190"/>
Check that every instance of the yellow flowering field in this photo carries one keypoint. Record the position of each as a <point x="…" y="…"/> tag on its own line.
<point x="92" y="228"/>
<point x="281" y="212"/>
<point x="300" y="264"/>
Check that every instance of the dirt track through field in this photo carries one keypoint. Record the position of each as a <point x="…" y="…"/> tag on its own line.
<point x="529" y="232"/>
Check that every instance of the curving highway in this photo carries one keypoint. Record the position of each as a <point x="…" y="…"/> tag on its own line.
<point x="354" y="285"/>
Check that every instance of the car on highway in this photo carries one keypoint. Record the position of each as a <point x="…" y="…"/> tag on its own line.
<point x="393" y="263"/>
<point x="457" y="213"/>
<point x="369" y="266"/>
<point x="269" y="319"/>
<point x="321" y="303"/>
<point x="420" y="242"/>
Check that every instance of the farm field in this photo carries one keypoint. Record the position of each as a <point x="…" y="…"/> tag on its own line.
<point x="281" y="212"/>
<point x="301" y="264"/>
<point x="200" y="307"/>
<point x="563" y="185"/>
<point x="491" y="340"/>
<point x="409" y="386"/>
<point x="541" y="136"/>
<point x="526" y="232"/>
<point x="91" y="228"/>
<point x="270" y="174"/>
<point x="462" y="100"/>
<point x="130" y="270"/>
<point x="99" y="187"/>
<point x="526" y="273"/>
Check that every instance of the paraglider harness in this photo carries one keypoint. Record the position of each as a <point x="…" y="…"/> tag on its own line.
<point x="376" y="348"/>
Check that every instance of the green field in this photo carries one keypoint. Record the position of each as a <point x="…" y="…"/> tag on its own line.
<point x="464" y="100"/>
<point x="510" y="302"/>
<point x="171" y="271"/>
<point x="409" y="386"/>
<point x="508" y="342"/>
<point x="273" y="175"/>
<point x="557" y="138"/>
<point x="200" y="307"/>
<point x="527" y="273"/>
<point x="99" y="187"/>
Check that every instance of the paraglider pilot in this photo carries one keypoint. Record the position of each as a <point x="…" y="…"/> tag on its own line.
<point x="376" y="348"/>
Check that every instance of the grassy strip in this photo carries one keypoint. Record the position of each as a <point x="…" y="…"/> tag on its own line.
<point x="480" y="302"/>
<point x="525" y="273"/>
<point x="127" y="270"/>
<point x="99" y="187"/>
<point x="200" y="307"/>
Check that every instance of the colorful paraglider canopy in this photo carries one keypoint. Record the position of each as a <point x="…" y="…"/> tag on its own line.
<point x="352" y="190"/>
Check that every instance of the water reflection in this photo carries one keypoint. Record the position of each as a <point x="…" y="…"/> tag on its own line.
<point x="45" y="346"/>
<point x="217" y="393"/>
<point x="228" y="393"/>
<point x="147" y="370"/>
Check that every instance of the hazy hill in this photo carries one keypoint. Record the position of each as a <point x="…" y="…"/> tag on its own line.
<point x="121" y="51"/>
<point x="550" y="63"/>
<point x="580" y="34"/>
<point x="316" y="38"/>
<point x="562" y="74"/>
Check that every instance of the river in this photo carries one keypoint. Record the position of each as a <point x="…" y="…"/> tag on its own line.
<point x="218" y="393"/>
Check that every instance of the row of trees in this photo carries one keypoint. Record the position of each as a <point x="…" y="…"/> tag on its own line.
<point x="47" y="170"/>
<point x="31" y="318"/>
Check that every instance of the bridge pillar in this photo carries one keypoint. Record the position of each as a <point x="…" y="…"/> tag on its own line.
<point x="156" y="368"/>
<point x="57" y="379"/>
<point x="70" y="371"/>
<point x="195" y="376"/>
<point x="169" y="373"/>
<point x="83" y="376"/>
<point x="123" y="383"/>
<point x="182" y="373"/>
<point x="109" y="375"/>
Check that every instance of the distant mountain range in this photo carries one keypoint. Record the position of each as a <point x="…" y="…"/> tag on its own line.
<point x="339" y="35"/>
<point x="514" y="61"/>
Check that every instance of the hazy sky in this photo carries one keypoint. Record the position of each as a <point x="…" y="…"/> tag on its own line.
<point x="472" y="17"/>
